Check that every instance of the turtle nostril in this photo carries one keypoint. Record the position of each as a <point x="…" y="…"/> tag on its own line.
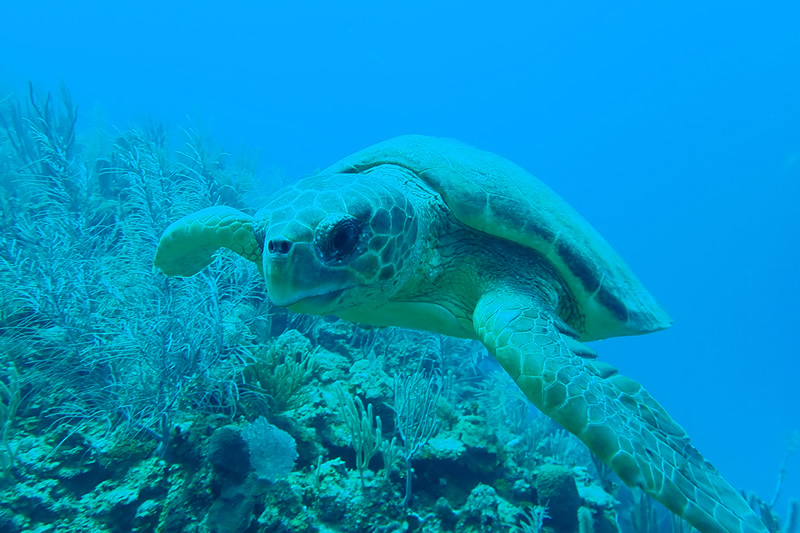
<point x="279" y="246"/>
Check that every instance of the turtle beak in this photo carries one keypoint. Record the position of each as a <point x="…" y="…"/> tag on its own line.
<point x="295" y="275"/>
<point x="277" y="260"/>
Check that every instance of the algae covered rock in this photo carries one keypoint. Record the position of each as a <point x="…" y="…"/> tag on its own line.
<point x="557" y="490"/>
<point x="228" y="453"/>
<point x="485" y="511"/>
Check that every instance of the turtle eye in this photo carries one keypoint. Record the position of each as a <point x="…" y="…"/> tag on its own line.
<point x="339" y="239"/>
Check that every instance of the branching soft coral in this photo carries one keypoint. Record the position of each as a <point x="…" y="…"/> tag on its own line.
<point x="105" y="338"/>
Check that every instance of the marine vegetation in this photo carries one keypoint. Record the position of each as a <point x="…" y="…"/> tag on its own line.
<point x="135" y="401"/>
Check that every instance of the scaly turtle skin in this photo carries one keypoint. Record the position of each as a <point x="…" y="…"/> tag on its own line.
<point x="431" y="234"/>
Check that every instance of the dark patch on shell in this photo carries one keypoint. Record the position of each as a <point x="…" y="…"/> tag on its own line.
<point x="579" y="266"/>
<point x="613" y="304"/>
<point x="541" y="230"/>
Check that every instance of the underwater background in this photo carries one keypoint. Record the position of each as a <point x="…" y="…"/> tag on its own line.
<point x="673" y="128"/>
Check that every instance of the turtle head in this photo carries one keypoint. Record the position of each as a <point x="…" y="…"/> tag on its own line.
<point x="335" y="242"/>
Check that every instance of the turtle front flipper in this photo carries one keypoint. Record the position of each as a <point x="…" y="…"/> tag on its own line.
<point x="188" y="245"/>
<point x="612" y="414"/>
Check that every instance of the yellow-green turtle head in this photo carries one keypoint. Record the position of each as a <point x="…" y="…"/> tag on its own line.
<point x="332" y="242"/>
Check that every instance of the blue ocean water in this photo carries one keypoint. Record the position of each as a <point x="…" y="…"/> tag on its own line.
<point x="673" y="128"/>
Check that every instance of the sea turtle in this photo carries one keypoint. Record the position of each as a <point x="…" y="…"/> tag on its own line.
<point x="432" y="234"/>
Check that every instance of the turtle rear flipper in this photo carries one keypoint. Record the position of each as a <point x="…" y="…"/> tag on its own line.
<point x="612" y="414"/>
<point x="188" y="245"/>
